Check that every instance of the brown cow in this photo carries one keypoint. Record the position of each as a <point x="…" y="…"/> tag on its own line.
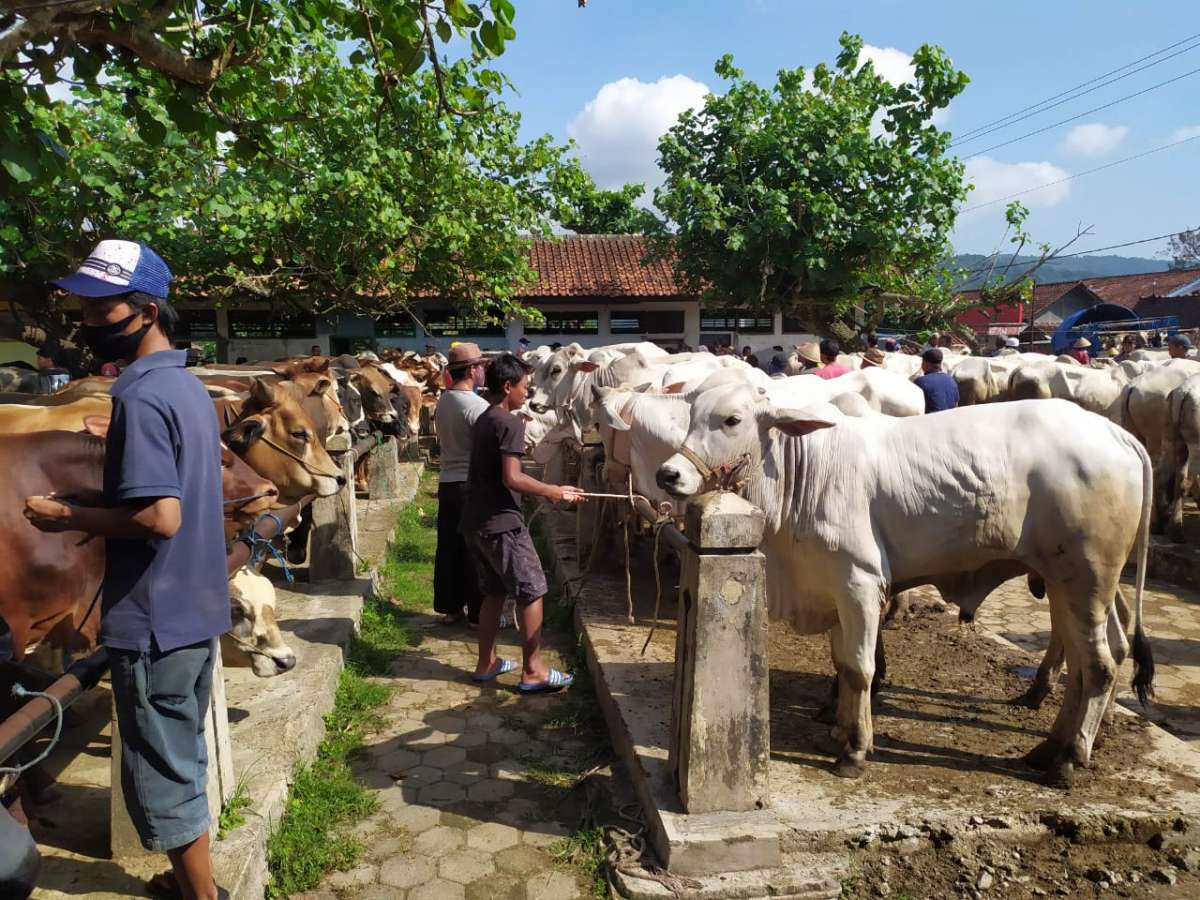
<point x="377" y="388"/>
<point x="272" y="432"/>
<point x="23" y="419"/>
<point x="49" y="582"/>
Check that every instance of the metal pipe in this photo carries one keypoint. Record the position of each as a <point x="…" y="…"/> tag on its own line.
<point x="24" y="725"/>
<point x="671" y="535"/>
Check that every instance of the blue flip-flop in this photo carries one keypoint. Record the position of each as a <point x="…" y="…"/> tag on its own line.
<point x="555" y="681"/>
<point x="502" y="666"/>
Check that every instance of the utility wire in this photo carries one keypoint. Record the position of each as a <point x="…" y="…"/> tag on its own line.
<point x="1093" y="250"/>
<point x="1110" y="165"/>
<point x="1087" y="112"/>
<point x="1041" y="106"/>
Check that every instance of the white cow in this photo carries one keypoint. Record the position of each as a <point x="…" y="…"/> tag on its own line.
<point x="1179" y="461"/>
<point x="858" y="509"/>
<point x="255" y="638"/>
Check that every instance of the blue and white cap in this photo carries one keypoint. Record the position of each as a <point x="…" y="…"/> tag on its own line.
<point x="119" y="267"/>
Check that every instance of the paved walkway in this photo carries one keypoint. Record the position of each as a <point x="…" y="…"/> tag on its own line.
<point x="475" y="783"/>
<point x="1172" y="619"/>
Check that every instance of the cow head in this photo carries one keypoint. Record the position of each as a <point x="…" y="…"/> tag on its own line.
<point x="318" y="396"/>
<point x="553" y="379"/>
<point x="247" y="494"/>
<point x="280" y="441"/>
<point x="376" y="389"/>
<point x="352" y="405"/>
<point x="407" y="404"/>
<point x="255" y="639"/>
<point x="727" y="431"/>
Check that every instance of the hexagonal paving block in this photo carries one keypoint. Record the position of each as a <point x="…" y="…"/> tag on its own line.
<point x="508" y="770"/>
<point x="399" y="760"/>
<point x="425" y="737"/>
<point x="551" y="886"/>
<point x="448" y="724"/>
<point x="438" y="889"/>
<point x="376" y="892"/>
<point x="492" y="836"/>
<point x="441" y="793"/>
<point x="438" y="841"/>
<point x="490" y="790"/>
<point x="522" y="860"/>
<point x="444" y="756"/>
<point x="465" y="866"/>
<point x="466" y="772"/>
<point x="408" y="700"/>
<point x="489" y="753"/>
<point x="518" y="812"/>
<point x="359" y="876"/>
<point x="486" y="722"/>
<point x="469" y="739"/>
<point x="496" y="887"/>
<point x="543" y="834"/>
<point x="508" y="736"/>
<point x="420" y="775"/>
<point x="407" y="871"/>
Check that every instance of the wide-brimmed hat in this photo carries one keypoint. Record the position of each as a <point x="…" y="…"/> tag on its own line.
<point x="1081" y="344"/>
<point x="1181" y="340"/>
<point x="874" y="357"/>
<point x="465" y="354"/>
<point x="809" y="352"/>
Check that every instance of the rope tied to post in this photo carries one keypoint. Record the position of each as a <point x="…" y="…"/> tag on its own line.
<point x="261" y="547"/>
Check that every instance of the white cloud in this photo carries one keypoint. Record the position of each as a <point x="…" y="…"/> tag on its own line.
<point x="1183" y="134"/>
<point x="1094" y="139"/>
<point x="995" y="180"/>
<point x="618" y="130"/>
<point x="896" y="68"/>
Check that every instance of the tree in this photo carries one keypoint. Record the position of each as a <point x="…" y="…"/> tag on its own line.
<point x="816" y="193"/>
<point x="587" y="209"/>
<point x="360" y="207"/>
<point x="210" y="65"/>
<point x="1184" y="249"/>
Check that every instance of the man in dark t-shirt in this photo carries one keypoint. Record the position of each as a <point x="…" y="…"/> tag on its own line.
<point x="940" y="389"/>
<point x="505" y="560"/>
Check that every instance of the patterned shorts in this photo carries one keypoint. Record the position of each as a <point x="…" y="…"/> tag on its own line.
<point x="507" y="564"/>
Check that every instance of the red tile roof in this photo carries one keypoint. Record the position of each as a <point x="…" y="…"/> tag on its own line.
<point x="598" y="265"/>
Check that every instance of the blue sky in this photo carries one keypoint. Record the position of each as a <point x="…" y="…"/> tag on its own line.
<point x="616" y="73"/>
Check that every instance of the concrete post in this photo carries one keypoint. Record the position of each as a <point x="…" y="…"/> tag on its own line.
<point x="720" y="717"/>
<point x="383" y="473"/>
<point x="124" y="839"/>
<point x="591" y="461"/>
<point x="334" y="540"/>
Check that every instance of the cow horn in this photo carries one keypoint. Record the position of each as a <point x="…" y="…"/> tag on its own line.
<point x="263" y="392"/>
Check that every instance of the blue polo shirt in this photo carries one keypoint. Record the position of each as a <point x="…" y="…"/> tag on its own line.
<point x="163" y="442"/>
<point x="940" y="390"/>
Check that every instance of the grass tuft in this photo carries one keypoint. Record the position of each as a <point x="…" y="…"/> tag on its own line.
<point x="583" y="852"/>
<point x="233" y="812"/>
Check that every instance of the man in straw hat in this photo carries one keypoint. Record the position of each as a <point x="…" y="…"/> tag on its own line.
<point x="874" y="357"/>
<point x="455" y="587"/>
<point x="809" y="356"/>
<point x="1079" y="351"/>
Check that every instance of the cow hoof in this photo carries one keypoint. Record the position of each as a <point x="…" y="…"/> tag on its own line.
<point x="1031" y="699"/>
<point x="1042" y="756"/>
<point x="849" y="767"/>
<point x="1061" y="774"/>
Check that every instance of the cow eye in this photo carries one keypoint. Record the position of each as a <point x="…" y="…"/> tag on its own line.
<point x="733" y="421"/>
<point x="557" y="370"/>
<point x="300" y="435"/>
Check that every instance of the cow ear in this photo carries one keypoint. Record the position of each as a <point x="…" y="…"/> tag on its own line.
<point x="796" y="422"/>
<point x="585" y="366"/>
<point x="676" y="388"/>
<point x="263" y="392"/>
<point x="97" y="426"/>
<point x="242" y="436"/>
<point x="322" y="386"/>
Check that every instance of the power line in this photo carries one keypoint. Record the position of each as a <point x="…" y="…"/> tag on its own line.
<point x="1005" y="119"/>
<point x="1088" y="112"/>
<point x="1081" y="174"/>
<point x="1013" y="119"/>
<point x="1148" y="240"/>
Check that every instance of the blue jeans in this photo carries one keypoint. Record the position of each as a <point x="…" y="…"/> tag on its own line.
<point x="162" y="703"/>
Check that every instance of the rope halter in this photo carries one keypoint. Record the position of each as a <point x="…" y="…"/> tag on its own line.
<point x="730" y="477"/>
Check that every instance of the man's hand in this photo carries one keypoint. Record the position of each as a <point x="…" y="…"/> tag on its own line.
<point x="48" y="514"/>
<point x="568" y="493"/>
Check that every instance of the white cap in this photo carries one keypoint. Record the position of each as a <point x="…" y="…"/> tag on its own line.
<point x="1011" y="342"/>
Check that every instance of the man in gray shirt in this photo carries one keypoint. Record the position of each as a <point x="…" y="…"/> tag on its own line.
<point x="454" y="583"/>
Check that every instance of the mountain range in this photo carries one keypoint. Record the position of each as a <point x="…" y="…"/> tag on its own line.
<point x="1069" y="269"/>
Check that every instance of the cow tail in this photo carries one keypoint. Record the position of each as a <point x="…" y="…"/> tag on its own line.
<point x="1143" y="657"/>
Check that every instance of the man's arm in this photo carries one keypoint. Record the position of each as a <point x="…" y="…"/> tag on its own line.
<point x="516" y="480"/>
<point x="147" y="518"/>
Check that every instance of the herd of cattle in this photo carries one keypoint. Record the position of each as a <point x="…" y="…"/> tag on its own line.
<point x="282" y="425"/>
<point x="866" y="497"/>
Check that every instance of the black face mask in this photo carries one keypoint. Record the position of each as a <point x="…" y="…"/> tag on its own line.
<point x="109" y="342"/>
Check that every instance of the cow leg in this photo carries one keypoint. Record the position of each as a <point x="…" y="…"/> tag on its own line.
<point x="898" y="608"/>
<point x="1174" y="489"/>
<point x="827" y="713"/>
<point x="855" y="638"/>
<point x="1048" y="674"/>
<point x="297" y="538"/>
<point x="1118" y="644"/>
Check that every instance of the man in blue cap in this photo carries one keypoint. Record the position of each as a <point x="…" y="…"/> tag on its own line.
<point x="165" y="598"/>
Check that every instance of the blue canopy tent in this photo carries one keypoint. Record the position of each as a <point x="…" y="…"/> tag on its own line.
<point x="1105" y="319"/>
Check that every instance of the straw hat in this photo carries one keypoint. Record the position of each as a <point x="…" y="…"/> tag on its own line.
<point x="465" y="354"/>
<point x="1081" y="344"/>
<point x="874" y="357"/>
<point x="809" y="352"/>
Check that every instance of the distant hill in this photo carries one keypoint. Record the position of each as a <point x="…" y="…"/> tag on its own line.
<point x="1072" y="269"/>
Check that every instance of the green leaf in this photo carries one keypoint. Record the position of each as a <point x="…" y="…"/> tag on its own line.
<point x="152" y="131"/>
<point x="504" y="11"/>
<point x="20" y="161"/>
<point x="414" y="62"/>
<point x="491" y="39"/>
<point x="444" y="31"/>
<point x="245" y="147"/>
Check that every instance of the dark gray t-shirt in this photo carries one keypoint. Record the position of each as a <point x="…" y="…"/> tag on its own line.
<point x="490" y="506"/>
<point x="455" y="414"/>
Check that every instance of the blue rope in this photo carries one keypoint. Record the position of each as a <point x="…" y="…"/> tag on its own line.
<point x="261" y="546"/>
